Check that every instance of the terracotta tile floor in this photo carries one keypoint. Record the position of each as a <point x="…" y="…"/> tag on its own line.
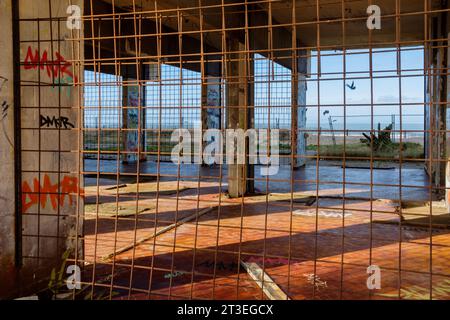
<point x="307" y="257"/>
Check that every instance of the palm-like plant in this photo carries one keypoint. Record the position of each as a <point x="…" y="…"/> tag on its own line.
<point x="379" y="141"/>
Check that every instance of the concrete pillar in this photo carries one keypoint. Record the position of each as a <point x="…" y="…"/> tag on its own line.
<point x="7" y="156"/>
<point x="133" y="115"/>
<point x="447" y="180"/>
<point x="240" y="112"/>
<point x="298" y="115"/>
<point x="211" y="112"/>
<point x="436" y="110"/>
<point x="49" y="211"/>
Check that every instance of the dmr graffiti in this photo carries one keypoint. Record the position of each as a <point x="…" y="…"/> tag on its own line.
<point x="4" y="110"/>
<point x="54" y="122"/>
<point x="58" y="69"/>
<point x="49" y="193"/>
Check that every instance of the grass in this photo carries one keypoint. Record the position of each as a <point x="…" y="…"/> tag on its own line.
<point x="109" y="143"/>
<point x="408" y="150"/>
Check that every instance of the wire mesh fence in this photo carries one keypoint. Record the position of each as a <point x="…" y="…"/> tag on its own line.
<point x="354" y="114"/>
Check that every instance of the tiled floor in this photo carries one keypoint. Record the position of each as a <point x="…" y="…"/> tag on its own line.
<point x="310" y="252"/>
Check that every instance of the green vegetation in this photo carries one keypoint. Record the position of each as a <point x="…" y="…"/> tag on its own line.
<point x="57" y="288"/>
<point x="392" y="151"/>
<point x="109" y="142"/>
<point x="380" y="141"/>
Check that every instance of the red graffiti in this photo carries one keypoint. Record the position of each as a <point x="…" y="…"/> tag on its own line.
<point x="58" y="68"/>
<point x="56" y="193"/>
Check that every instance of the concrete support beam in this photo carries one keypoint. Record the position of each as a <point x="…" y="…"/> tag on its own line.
<point x="49" y="216"/>
<point x="298" y="115"/>
<point x="240" y="112"/>
<point x="211" y="103"/>
<point x="7" y="155"/>
<point x="168" y="10"/>
<point x="447" y="180"/>
<point x="354" y="28"/>
<point x="211" y="113"/>
<point x="436" y="110"/>
<point x="167" y="45"/>
<point x="277" y="39"/>
<point x="133" y="117"/>
<point x="274" y="42"/>
<point x="274" y="37"/>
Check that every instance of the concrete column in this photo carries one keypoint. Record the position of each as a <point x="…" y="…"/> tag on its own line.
<point x="436" y="111"/>
<point x="447" y="180"/>
<point x="298" y="115"/>
<point x="50" y="215"/>
<point x="240" y="112"/>
<point x="7" y="155"/>
<point x="211" y="113"/>
<point x="133" y="113"/>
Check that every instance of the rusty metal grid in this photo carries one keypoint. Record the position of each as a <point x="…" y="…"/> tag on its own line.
<point x="157" y="229"/>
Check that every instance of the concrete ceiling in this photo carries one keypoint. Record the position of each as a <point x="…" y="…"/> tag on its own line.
<point x="354" y="32"/>
<point x="329" y="34"/>
<point x="189" y="21"/>
<point x="330" y="12"/>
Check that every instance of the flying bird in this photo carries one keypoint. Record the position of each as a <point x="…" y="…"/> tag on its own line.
<point x="352" y="86"/>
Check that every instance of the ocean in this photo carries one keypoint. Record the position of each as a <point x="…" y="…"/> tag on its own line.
<point x="411" y="129"/>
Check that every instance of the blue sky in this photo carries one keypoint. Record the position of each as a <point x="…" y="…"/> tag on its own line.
<point x="386" y="91"/>
<point x="386" y="86"/>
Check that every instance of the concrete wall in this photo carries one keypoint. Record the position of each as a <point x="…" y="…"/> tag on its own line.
<point x="49" y="215"/>
<point x="447" y="180"/>
<point x="436" y="107"/>
<point x="7" y="140"/>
